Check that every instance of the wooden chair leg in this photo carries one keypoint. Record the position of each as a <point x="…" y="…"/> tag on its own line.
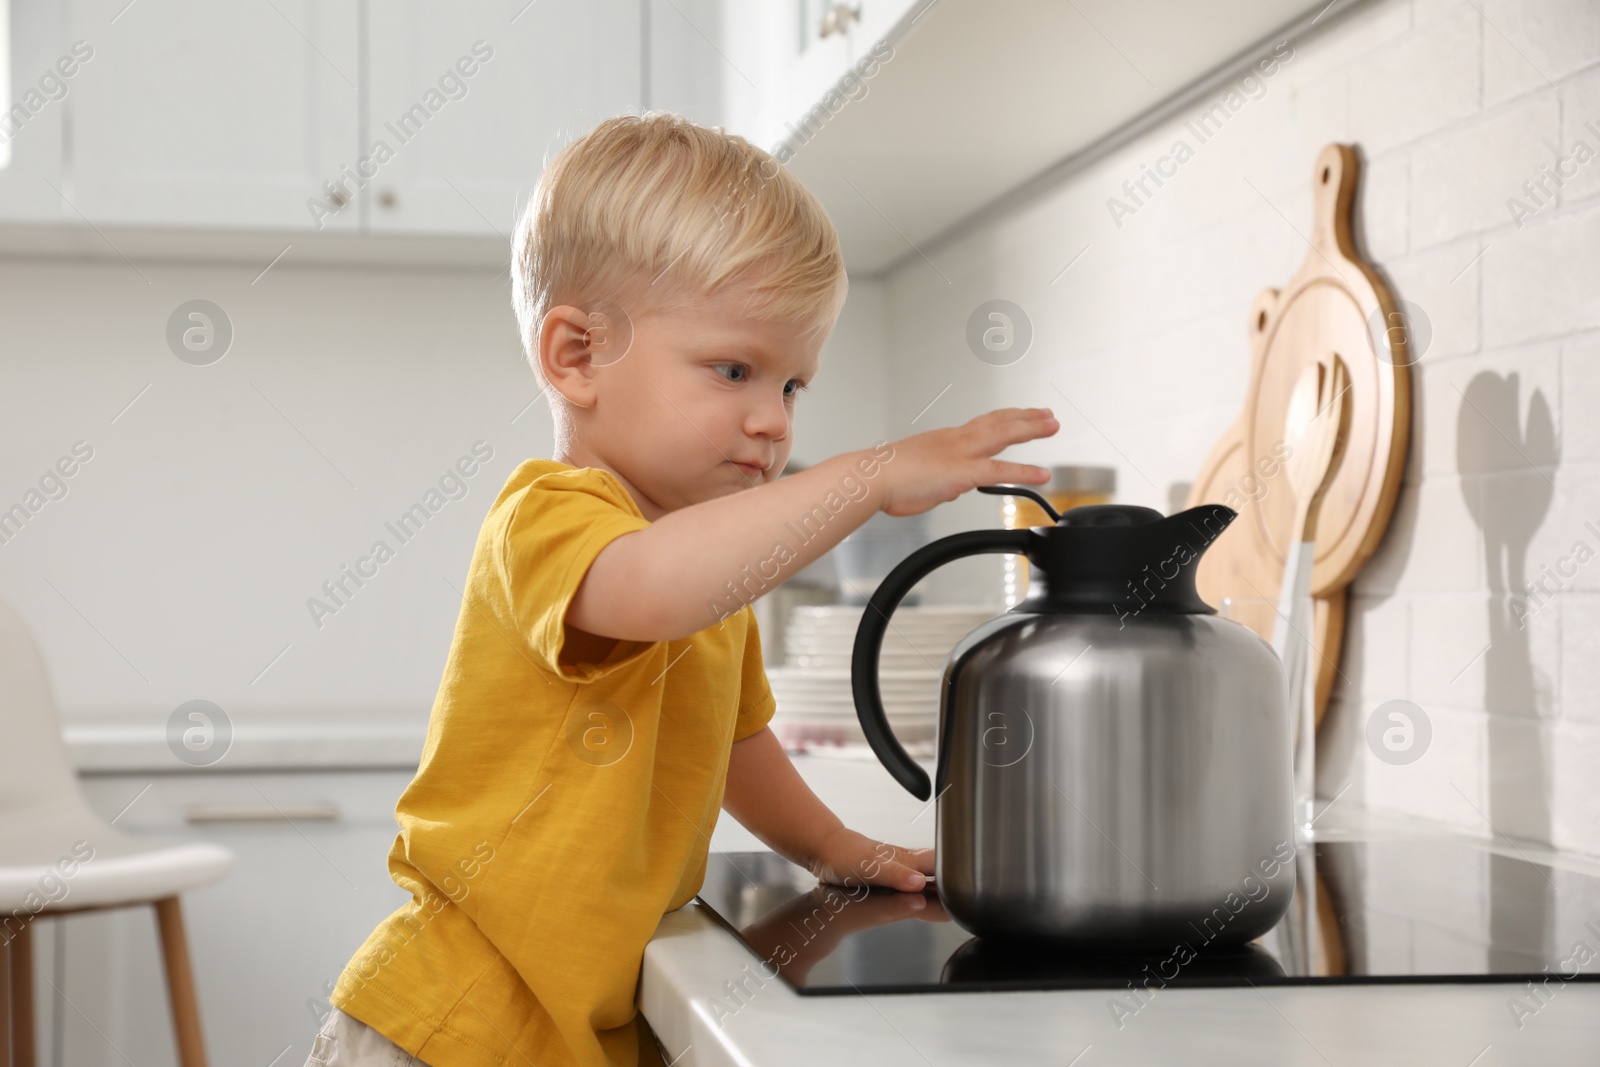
<point x="180" y="983"/>
<point x="5" y="995"/>
<point x="20" y="996"/>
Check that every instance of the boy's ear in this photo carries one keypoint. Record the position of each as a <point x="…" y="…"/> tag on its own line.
<point x="566" y="356"/>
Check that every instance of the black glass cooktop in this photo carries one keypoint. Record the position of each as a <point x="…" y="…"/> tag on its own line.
<point x="1381" y="911"/>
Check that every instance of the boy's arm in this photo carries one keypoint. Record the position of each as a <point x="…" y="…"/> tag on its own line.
<point x="767" y="795"/>
<point x="667" y="581"/>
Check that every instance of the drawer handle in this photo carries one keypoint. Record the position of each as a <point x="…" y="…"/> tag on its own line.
<point x="263" y="813"/>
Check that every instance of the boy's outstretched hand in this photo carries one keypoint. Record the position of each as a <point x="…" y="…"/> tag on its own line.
<point x="845" y="856"/>
<point x="937" y="466"/>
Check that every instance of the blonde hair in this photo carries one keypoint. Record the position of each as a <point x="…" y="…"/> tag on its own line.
<point x="648" y="211"/>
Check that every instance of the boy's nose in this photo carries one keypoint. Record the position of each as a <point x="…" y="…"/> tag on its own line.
<point x="769" y="419"/>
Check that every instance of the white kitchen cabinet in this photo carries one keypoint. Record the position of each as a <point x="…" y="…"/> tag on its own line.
<point x="783" y="66"/>
<point x="28" y="186"/>
<point x="206" y="114"/>
<point x="309" y="884"/>
<point x="471" y="99"/>
<point x="818" y="62"/>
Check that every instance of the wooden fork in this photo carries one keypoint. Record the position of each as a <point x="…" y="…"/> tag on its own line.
<point x="1316" y="430"/>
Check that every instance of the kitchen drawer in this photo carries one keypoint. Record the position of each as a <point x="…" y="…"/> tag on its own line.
<point x="166" y="803"/>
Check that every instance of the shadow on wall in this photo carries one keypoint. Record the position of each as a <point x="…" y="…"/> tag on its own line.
<point x="1494" y="434"/>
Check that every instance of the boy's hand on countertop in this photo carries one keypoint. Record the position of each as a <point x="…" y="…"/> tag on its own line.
<point x="846" y="855"/>
<point x="939" y="465"/>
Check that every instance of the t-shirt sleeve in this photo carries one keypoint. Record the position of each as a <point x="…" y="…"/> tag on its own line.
<point x="554" y="533"/>
<point x="756" y="702"/>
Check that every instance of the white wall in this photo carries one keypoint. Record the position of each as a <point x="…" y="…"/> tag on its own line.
<point x="1454" y="106"/>
<point x="179" y="562"/>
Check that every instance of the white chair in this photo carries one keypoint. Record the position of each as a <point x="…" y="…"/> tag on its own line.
<point x="44" y="818"/>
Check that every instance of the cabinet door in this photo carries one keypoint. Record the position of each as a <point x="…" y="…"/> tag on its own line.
<point x="470" y="99"/>
<point x="213" y="114"/>
<point x="310" y="882"/>
<point x="32" y="129"/>
<point x="817" y="62"/>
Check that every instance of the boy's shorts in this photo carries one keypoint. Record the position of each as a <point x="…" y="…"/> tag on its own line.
<point x="345" y="1041"/>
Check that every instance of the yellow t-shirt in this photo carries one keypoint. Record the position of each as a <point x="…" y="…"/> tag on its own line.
<point x="562" y="805"/>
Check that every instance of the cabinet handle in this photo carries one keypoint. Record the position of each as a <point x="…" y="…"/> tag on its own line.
<point x="837" y="19"/>
<point x="266" y="813"/>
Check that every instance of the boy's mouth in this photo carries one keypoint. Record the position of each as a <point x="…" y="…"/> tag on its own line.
<point x="749" y="470"/>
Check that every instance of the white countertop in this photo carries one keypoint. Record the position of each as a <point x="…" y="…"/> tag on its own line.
<point x="691" y="958"/>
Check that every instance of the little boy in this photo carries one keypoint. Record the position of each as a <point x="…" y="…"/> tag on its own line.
<point x="604" y="691"/>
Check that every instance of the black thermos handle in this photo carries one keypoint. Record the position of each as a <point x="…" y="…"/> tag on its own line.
<point x="869" y="640"/>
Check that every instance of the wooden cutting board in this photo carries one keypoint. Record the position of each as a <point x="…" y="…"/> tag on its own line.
<point x="1336" y="303"/>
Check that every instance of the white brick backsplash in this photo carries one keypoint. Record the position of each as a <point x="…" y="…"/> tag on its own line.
<point x="1543" y="280"/>
<point x="1339" y="744"/>
<point x="1529" y="43"/>
<point x="1580" y="119"/>
<point x="1460" y="181"/>
<point x="1432" y="543"/>
<point x="1429" y="787"/>
<point x="1580" y="397"/>
<point x="1444" y="284"/>
<point x="1377" y="650"/>
<point x="1521" y="776"/>
<point x="1147" y="334"/>
<point x="1426" y="11"/>
<point x="1516" y="547"/>
<point x="1341" y="43"/>
<point x="1383" y="209"/>
<point x="1492" y="411"/>
<point x="1425" y="80"/>
<point x="1449" y="641"/>
<point x="1319" y="112"/>
<point x="1580" y="657"/>
<point x="1576" y="801"/>
<point x="1477" y="652"/>
<point x="1576" y="518"/>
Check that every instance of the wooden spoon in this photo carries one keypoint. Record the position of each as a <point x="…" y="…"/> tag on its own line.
<point x="1316" y="430"/>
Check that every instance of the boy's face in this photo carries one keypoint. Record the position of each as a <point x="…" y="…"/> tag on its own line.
<point x="701" y="406"/>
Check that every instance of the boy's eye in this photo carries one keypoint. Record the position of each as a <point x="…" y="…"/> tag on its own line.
<point x="792" y="388"/>
<point x="734" y="372"/>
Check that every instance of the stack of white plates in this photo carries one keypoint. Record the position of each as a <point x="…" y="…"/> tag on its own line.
<point x="815" y="705"/>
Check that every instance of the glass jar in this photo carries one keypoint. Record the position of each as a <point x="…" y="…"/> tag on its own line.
<point x="1068" y="487"/>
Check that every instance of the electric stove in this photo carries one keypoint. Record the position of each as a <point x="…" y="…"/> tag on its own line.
<point x="1385" y="911"/>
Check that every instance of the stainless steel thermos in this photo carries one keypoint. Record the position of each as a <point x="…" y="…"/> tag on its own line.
<point x="1114" y="764"/>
